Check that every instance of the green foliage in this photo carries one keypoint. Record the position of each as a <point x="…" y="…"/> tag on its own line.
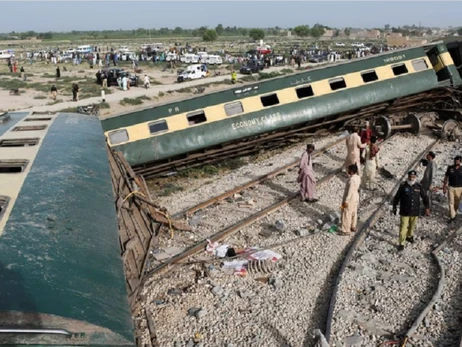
<point x="104" y="105"/>
<point x="134" y="101"/>
<point x="210" y="35"/>
<point x="257" y="34"/>
<point x="347" y="31"/>
<point x="219" y="29"/>
<point x="302" y="30"/>
<point x="170" y="188"/>
<point x="317" y="31"/>
<point x="265" y="75"/>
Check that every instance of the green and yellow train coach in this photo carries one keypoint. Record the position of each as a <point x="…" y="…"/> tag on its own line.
<point x="61" y="273"/>
<point x="170" y="130"/>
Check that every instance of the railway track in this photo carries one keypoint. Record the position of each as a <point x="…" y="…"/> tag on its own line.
<point x="310" y="263"/>
<point x="403" y="299"/>
<point x="420" y="102"/>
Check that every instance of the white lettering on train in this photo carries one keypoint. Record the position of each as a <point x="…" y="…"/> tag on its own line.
<point x="274" y="117"/>
<point x="395" y="58"/>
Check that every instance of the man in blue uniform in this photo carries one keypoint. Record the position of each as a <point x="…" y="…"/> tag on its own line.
<point x="408" y="197"/>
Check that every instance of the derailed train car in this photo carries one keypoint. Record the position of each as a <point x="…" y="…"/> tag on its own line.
<point x="61" y="272"/>
<point x="207" y="125"/>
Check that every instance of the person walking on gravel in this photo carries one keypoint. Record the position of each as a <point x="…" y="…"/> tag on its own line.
<point x="353" y="144"/>
<point x="350" y="201"/>
<point x="429" y="175"/>
<point x="371" y="163"/>
<point x="408" y="196"/>
<point x="306" y="176"/>
<point x="452" y="185"/>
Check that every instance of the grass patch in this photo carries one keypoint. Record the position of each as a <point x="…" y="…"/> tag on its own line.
<point x="104" y="105"/>
<point x="134" y="101"/>
<point x="249" y="78"/>
<point x="12" y="84"/>
<point x="266" y="75"/>
<point x="184" y="90"/>
<point x="55" y="102"/>
<point x="40" y="97"/>
<point x="286" y="71"/>
<point x="169" y="189"/>
<point x="161" y="94"/>
<point x="232" y="164"/>
<point x="199" y="172"/>
<point x="69" y="110"/>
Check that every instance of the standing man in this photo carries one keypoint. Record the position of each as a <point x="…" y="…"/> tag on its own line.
<point x="306" y="176"/>
<point x="233" y="77"/>
<point x="350" y="201"/>
<point x="371" y="163"/>
<point x="366" y="135"/>
<point x="75" y="92"/>
<point x="54" y="92"/>
<point x="408" y="196"/>
<point x="429" y="176"/>
<point x="353" y="144"/>
<point x="58" y="72"/>
<point x="453" y="185"/>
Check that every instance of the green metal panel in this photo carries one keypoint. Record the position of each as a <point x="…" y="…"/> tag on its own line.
<point x="209" y="134"/>
<point x="176" y="107"/>
<point x="451" y="69"/>
<point x="59" y="252"/>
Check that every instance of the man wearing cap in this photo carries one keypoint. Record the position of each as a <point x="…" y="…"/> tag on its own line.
<point x="452" y="184"/>
<point x="408" y="197"/>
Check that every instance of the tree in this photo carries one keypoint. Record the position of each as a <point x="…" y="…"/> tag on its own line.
<point x="219" y="29"/>
<point x="302" y="30"/>
<point x="210" y="35"/>
<point x="244" y="31"/>
<point x="317" y="31"/>
<point x="387" y="27"/>
<point x="347" y="31"/>
<point x="178" y="31"/>
<point x="257" y="34"/>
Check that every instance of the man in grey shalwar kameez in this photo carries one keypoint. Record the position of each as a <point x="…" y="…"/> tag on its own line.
<point x="429" y="176"/>
<point x="306" y="176"/>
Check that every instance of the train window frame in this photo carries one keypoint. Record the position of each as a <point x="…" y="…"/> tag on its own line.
<point x="417" y="64"/>
<point x="369" y="76"/>
<point x="21" y="142"/>
<point x="13" y="166"/>
<point x="196" y="117"/>
<point x="232" y="106"/>
<point x="116" y="132"/>
<point x="30" y="128"/>
<point x="337" y="83"/>
<point x="4" y="201"/>
<point x="163" y="122"/>
<point x="37" y="119"/>
<point x="301" y="91"/>
<point x="269" y="100"/>
<point x="395" y="68"/>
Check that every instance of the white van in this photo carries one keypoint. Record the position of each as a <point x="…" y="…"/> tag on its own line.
<point x="85" y="49"/>
<point x="193" y="72"/>
<point x="214" y="59"/>
<point x="6" y="54"/>
<point x="171" y="56"/>
<point x="189" y="58"/>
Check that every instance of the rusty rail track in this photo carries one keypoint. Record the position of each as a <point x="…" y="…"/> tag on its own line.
<point x="190" y="211"/>
<point x="238" y="226"/>
<point x="361" y="236"/>
<point x="423" y="101"/>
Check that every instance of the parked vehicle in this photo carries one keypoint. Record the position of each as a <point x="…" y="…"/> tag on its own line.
<point x="85" y="49"/>
<point x="213" y="59"/>
<point x="253" y="66"/>
<point x="193" y="72"/>
<point x="6" y="54"/>
<point x="113" y="74"/>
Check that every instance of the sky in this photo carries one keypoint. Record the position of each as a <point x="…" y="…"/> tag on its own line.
<point x="42" y="16"/>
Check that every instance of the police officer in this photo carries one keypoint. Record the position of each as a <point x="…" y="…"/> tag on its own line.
<point x="408" y="197"/>
<point x="453" y="185"/>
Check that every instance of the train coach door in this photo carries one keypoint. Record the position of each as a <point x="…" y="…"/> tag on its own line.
<point x="455" y="50"/>
<point x="438" y="65"/>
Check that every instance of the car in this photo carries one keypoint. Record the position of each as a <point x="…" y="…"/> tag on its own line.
<point x="317" y="59"/>
<point x="252" y="67"/>
<point x="113" y="74"/>
<point x="340" y="44"/>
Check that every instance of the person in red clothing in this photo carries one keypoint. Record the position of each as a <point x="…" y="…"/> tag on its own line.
<point x="365" y="138"/>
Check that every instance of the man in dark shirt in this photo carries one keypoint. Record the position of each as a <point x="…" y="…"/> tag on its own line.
<point x="408" y="197"/>
<point x="453" y="185"/>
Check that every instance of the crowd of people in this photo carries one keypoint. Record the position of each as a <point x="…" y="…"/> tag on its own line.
<point x="362" y="150"/>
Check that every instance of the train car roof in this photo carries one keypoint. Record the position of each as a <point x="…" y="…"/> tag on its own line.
<point x="60" y="263"/>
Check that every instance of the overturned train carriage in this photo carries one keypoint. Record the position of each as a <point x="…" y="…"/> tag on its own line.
<point x="208" y="127"/>
<point x="61" y="272"/>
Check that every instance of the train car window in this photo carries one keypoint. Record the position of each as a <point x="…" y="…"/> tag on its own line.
<point x="234" y="108"/>
<point x="12" y="165"/>
<point x="269" y="100"/>
<point x="36" y="119"/>
<point x="157" y="127"/>
<point x="30" y="128"/>
<point x="304" y="92"/>
<point x="196" y="117"/>
<point x="4" y="200"/>
<point x="337" y="83"/>
<point x="118" y="136"/>
<point x="399" y="69"/>
<point x="19" y="142"/>
<point x="369" y="76"/>
<point x="419" y="64"/>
